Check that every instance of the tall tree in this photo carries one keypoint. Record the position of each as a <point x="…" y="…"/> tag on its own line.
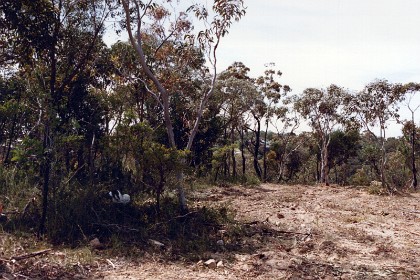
<point x="272" y="92"/>
<point x="324" y="111"/>
<point x="142" y="17"/>
<point x="377" y="104"/>
<point x="411" y="90"/>
<point x="235" y="92"/>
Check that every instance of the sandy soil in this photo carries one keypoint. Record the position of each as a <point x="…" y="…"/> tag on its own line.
<point x="302" y="232"/>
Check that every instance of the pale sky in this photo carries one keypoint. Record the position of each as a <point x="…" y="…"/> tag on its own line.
<point x="319" y="42"/>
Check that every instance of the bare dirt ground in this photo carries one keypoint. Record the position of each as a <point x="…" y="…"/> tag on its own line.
<point x="301" y="232"/>
<point x="282" y="232"/>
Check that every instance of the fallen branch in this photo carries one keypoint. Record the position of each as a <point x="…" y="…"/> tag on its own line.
<point x="174" y="218"/>
<point x="117" y="227"/>
<point x="30" y="255"/>
<point x="183" y="216"/>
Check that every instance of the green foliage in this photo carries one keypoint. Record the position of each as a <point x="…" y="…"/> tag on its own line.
<point x="28" y="152"/>
<point x="19" y="192"/>
<point x="78" y="118"/>
<point x="78" y="214"/>
<point x="219" y="153"/>
<point x="343" y="145"/>
<point x="219" y="161"/>
<point x="250" y="180"/>
<point x="361" y="177"/>
<point x="153" y="165"/>
<point x="397" y="171"/>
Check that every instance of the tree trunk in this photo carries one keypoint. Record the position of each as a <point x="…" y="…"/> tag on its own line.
<point x="91" y="160"/>
<point x="280" y="171"/>
<point x="265" y="153"/>
<point x="257" y="149"/>
<point x="242" y="148"/>
<point x="317" y="175"/>
<point x="324" y="160"/>
<point x="234" y="172"/>
<point x="46" y="143"/>
<point x="336" y="173"/>
<point x="384" y="160"/>
<point x="182" y="199"/>
<point x="413" y="155"/>
<point x="232" y="140"/>
<point x="45" y="171"/>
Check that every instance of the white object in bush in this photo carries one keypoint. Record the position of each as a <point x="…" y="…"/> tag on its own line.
<point x="117" y="197"/>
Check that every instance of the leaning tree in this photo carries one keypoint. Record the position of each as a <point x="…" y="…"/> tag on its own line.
<point x="161" y="19"/>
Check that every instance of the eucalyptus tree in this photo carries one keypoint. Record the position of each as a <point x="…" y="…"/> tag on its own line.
<point x="261" y="100"/>
<point x="324" y="109"/>
<point x="344" y="146"/>
<point x="272" y="92"/>
<point x="235" y="90"/>
<point x="52" y="43"/>
<point x="375" y="106"/>
<point x="145" y="17"/>
<point x="412" y="94"/>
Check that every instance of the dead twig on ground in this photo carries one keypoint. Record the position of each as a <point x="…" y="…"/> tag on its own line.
<point x="30" y="255"/>
<point x="174" y="218"/>
<point x="117" y="227"/>
<point x="110" y="263"/>
<point x="281" y="231"/>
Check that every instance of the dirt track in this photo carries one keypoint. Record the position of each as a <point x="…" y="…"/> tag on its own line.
<point x="305" y="232"/>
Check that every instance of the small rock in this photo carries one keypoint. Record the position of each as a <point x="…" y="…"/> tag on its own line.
<point x="96" y="244"/>
<point x="220" y="242"/>
<point x="211" y="263"/>
<point x="219" y="264"/>
<point x="200" y="263"/>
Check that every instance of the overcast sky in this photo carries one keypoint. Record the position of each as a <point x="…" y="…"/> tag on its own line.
<point x="319" y="42"/>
